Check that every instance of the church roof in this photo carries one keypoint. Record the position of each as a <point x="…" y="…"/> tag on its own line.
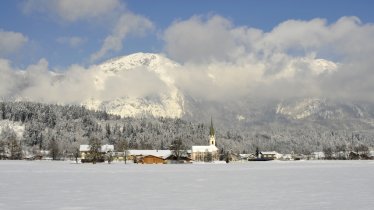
<point x="157" y="153"/>
<point x="210" y="148"/>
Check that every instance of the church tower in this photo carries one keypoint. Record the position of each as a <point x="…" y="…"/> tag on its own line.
<point x="212" y="139"/>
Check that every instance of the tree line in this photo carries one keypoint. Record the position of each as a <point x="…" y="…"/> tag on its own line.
<point x="60" y="129"/>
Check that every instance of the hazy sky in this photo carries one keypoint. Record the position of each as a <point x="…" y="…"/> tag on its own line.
<point x="225" y="48"/>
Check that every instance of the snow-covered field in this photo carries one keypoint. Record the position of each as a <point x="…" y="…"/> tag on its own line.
<point x="254" y="185"/>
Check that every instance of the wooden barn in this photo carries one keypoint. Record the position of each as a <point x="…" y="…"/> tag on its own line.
<point x="151" y="159"/>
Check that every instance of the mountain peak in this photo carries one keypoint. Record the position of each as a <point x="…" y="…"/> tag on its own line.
<point x="165" y="103"/>
<point x="137" y="60"/>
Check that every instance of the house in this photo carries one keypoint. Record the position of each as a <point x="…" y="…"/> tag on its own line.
<point x="286" y="157"/>
<point x="151" y="159"/>
<point x="85" y="150"/>
<point x="371" y="154"/>
<point x="206" y="153"/>
<point x="271" y="155"/>
<point x="142" y="153"/>
<point x="138" y="155"/>
<point x="246" y="156"/>
<point x="318" y="155"/>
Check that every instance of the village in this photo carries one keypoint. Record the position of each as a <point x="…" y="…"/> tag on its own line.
<point x="177" y="153"/>
<point x="203" y="154"/>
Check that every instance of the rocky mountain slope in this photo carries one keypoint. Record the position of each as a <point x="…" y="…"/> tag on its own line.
<point x="168" y="103"/>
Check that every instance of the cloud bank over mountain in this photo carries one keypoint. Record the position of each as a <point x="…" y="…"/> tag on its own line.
<point x="217" y="61"/>
<point x="294" y="59"/>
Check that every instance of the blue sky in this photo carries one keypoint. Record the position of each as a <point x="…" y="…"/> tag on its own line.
<point x="48" y="34"/>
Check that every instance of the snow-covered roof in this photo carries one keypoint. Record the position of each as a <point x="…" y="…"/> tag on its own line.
<point x="246" y="155"/>
<point x="104" y="148"/>
<point x="276" y="154"/>
<point x="319" y="154"/>
<point x="287" y="155"/>
<point x="107" y="148"/>
<point x="157" y="153"/>
<point x="270" y="153"/>
<point x="210" y="148"/>
<point x="371" y="154"/>
<point x="84" y="148"/>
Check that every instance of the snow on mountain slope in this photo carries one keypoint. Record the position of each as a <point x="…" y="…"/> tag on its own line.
<point x="300" y="109"/>
<point x="320" y="66"/>
<point x="17" y="127"/>
<point x="168" y="103"/>
<point x="322" y="109"/>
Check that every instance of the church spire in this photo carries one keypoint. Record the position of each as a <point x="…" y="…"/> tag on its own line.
<point x="212" y="138"/>
<point x="211" y="132"/>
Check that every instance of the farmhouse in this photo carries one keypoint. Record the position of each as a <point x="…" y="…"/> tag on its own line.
<point x="271" y="155"/>
<point x="149" y="156"/>
<point x="151" y="159"/>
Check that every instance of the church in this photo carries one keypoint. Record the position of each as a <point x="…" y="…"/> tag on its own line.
<point x="206" y="153"/>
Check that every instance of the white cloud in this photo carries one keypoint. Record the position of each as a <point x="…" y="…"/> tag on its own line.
<point x="76" y="84"/>
<point x="72" y="10"/>
<point x="11" y="42"/>
<point x="73" y="41"/>
<point x="199" y="40"/>
<point x="128" y="24"/>
<point x="222" y="61"/>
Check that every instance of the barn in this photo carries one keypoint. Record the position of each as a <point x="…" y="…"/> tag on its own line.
<point x="151" y="159"/>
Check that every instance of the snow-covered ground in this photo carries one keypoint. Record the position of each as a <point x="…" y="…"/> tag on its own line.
<point x="255" y="185"/>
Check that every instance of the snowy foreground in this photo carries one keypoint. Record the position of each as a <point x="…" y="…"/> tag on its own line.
<point x="253" y="185"/>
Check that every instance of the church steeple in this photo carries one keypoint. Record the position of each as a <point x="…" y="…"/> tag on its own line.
<point x="212" y="139"/>
<point x="211" y="132"/>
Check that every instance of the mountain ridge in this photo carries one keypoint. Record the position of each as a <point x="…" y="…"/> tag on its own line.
<point x="244" y="112"/>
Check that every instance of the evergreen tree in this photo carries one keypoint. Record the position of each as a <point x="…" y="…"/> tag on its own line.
<point x="2" y="149"/>
<point x="15" y="148"/>
<point x="95" y="150"/>
<point x="54" y="149"/>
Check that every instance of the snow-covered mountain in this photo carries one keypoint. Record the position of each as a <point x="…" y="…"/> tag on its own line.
<point x="172" y="102"/>
<point x="168" y="103"/>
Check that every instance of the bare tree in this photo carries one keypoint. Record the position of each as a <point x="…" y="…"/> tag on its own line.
<point x="363" y="151"/>
<point x="178" y="149"/>
<point x="341" y="150"/>
<point x="15" y="148"/>
<point x="122" y="146"/>
<point x="54" y="149"/>
<point x="328" y="152"/>
<point x="73" y="150"/>
<point x="109" y="156"/>
<point x="76" y="154"/>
